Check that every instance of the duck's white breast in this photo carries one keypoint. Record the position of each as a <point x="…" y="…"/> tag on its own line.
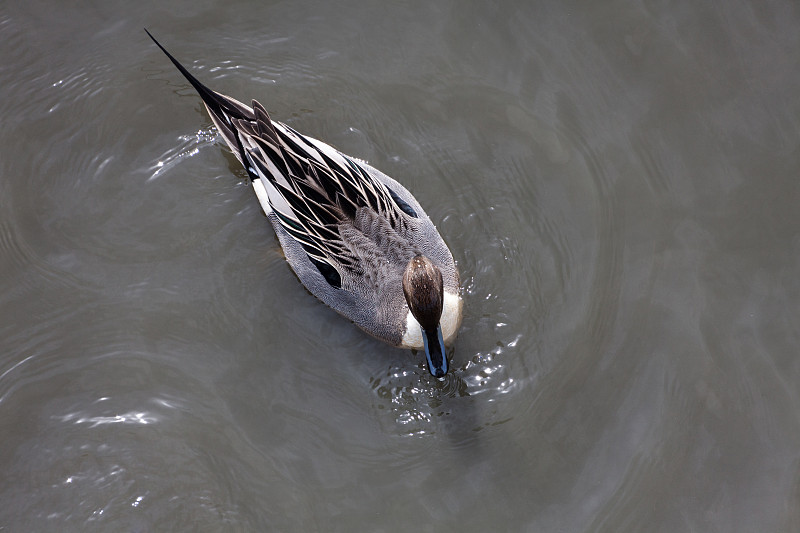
<point x="451" y="319"/>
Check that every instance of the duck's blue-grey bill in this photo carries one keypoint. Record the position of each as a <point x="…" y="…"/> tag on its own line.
<point x="434" y="352"/>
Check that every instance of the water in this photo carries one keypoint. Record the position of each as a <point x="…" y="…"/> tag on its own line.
<point x="619" y="186"/>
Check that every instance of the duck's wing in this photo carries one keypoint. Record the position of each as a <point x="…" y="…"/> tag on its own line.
<point x="311" y="187"/>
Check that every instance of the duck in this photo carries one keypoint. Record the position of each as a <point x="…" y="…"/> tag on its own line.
<point x="355" y="238"/>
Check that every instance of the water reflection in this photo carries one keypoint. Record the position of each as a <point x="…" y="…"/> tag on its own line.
<point x="125" y="418"/>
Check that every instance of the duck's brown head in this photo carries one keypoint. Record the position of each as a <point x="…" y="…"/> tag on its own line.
<point x="424" y="291"/>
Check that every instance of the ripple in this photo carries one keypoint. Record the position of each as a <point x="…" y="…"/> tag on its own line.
<point x="136" y="418"/>
<point x="413" y="399"/>
<point x="12" y="246"/>
<point x="485" y="374"/>
<point x="189" y="145"/>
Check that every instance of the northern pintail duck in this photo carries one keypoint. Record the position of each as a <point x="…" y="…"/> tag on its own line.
<point x="357" y="239"/>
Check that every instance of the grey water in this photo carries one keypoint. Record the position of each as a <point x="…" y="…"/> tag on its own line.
<point x="619" y="183"/>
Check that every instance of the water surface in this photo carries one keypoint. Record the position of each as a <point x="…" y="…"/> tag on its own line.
<point x="619" y="186"/>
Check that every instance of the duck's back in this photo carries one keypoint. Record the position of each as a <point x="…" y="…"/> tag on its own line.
<point x="369" y="252"/>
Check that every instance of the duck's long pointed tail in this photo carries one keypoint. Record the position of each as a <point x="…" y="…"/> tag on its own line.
<point x="222" y="109"/>
<point x="208" y="96"/>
